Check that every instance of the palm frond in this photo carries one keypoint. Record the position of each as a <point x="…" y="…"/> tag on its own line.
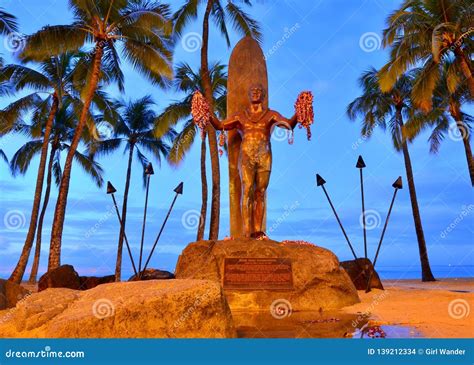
<point x="22" y="77"/>
<point x="242" y="22"/>
<point x="55" y="40"/>
<point x="8" y="22"/>
<point x="144" y="162"/>
<point x="154" y="64"/>
<point x="22" y="158"/>
<point x="424" y="86"/>
<point x="105" y="147"/>
<point x="3" y="156"/>
<point x="148" y="15"/>
<point x="172" y="114"/>
<point x="437" y="136"/>
<point x="184" y="15"/>
<point x="157" y="147"/>
<point x="182" y="143"/>
<point x="14" y="112"/>
<point x="57" y="170"/>
<point x="91" y="167"/>
<point x="219" y="17"/>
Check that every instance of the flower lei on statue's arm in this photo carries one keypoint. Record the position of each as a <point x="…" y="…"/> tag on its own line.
<point x="200" y="112"/>
<point x="222" y="142"/>
<point x="202" y="116"/>
<point x="304" y="111"/>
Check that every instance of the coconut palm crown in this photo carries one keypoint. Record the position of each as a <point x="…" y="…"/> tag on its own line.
<point x="429" y="33"/>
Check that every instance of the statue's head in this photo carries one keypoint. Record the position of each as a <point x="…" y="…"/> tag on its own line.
<point x="257" y="94"/>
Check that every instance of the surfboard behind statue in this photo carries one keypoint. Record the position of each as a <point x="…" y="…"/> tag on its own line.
<point x="247" y="67"/>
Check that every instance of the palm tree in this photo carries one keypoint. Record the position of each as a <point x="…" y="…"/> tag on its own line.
<point x="134" y="124"/>
<point x="391" y="108"/>
<point x="187" y="81"/>
<point x="429" y="32"/>
<point x="141" y="28"/>
<point x="41" y="82"/>
<point x="447" y="103"/>
<point x="244" y="25"/>
<point x="54" y="79"/>
<point x="61" y="134"/>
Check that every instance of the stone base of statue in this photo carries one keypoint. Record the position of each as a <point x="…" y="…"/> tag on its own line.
<point x="260" y="274"/>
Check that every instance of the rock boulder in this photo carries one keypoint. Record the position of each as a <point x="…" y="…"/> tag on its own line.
<point x="89" y="282"/>
<point x="318" y="281"/>
<point x="359" y="271"/>
<point x="11" y="293"/>
<point x="144" y="309"/>
<point x="154" y="274"/>
<point x="62" y="277"/>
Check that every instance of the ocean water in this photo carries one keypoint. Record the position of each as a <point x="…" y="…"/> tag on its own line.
<point x="439" y="271"/>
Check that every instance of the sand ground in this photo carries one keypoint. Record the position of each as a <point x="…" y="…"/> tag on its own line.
<point x="440" y="309"/>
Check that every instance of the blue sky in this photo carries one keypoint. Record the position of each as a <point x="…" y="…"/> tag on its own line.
<point x="322" y="46"/>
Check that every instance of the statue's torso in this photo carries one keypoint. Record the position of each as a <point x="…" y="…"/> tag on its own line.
<point x="255" y="130"/>
<point x="256" y="127"/>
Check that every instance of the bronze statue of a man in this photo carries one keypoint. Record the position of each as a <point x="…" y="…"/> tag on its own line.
<point x="255" y="125"/>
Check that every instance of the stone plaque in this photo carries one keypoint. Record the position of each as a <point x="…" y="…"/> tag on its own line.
<point x="258" y="273"/>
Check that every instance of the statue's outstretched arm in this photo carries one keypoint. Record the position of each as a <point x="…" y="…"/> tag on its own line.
<point x="227" y="124"/>
<point x="283" y="122"/>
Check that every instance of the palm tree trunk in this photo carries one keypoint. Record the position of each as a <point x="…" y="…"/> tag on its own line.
<point x="202" y="217"/>
<point x="60" y="210"/>
<point x="426" y="274"/>
<point x="213" y="149"/>
<point x="455" y="111"/>
<point x="34" y="268"/>
<point x="466" y="68"/>
<point x="19" y="271"/>
<point x="118" y="265"/>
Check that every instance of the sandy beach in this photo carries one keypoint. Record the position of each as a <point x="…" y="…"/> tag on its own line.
<point x="440" y="309"/>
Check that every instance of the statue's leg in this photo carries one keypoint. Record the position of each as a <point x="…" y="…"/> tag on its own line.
<point x="248" y="178"/>
<point x="261" y="184"/>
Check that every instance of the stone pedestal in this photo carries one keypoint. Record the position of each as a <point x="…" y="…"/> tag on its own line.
<point x="139" y="309"/>
<point x="259" y="275"/>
